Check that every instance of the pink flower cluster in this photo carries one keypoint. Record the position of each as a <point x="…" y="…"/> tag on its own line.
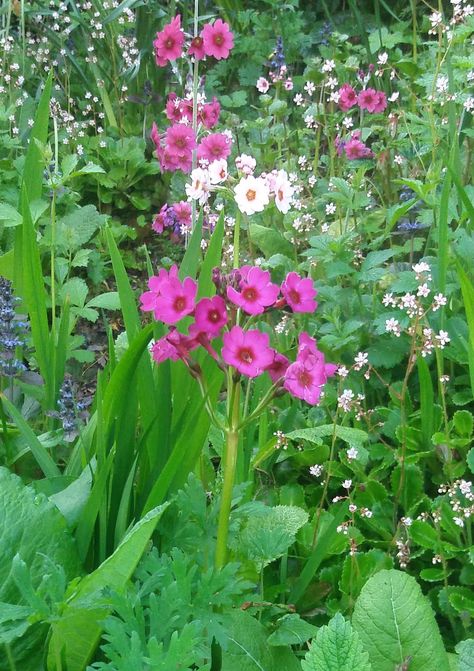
<point x="354" y="148"/>
<point x="246" y="291"/>
<point x="215" y="40"/>
<point x="369" y="99"/>
<point x="180" y="110"/>
<point x="176" y="218"/>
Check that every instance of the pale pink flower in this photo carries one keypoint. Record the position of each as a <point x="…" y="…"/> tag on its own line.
<point x="218" y="171"/>
<point x="262" y="85"/>
<point x="283" y="190"/>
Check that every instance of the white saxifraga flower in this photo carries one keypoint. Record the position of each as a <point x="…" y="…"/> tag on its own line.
<point x="218" y="171"/>
<point x="199" y="187"/>
<point x="283" y="191"/>
<point x="252" y="194"/>
<point x="352" y="453"/>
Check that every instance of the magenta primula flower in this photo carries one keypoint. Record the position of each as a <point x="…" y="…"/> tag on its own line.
<point x="309" y="373"/>
<point x="218" y="40"/>
<point x="174" y="345"/>
<point x="168" y="44"/>
<point x="369" y="100"/>
<point x="248" y="352"/>
<point x="209" y="114"/>
<point x="355" y="149"/>
<point x="196" y="48"/>
<point x="180" y="140"/>
<point x="210" y="315"/>
<point x="278" y="367"/>
<point x="256" y="291"/>
<point x="175" y="300"/>
<point x="173" y="108"/>
<point x="155" y="284"/>
<point x="159" y="221"/>
<point x="381" y="102"/>
<point x="214" y="147"/>
<point x="299" y="293"/>
<point x="347" y="97"/>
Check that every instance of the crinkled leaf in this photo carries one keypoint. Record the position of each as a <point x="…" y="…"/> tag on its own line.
<point x="337" y="647"/>
<point x="395" y="621"/>
<point x="465" y="650"/>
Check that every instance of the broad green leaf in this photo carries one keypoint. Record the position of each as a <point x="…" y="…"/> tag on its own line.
<point x="465" y="650"/>
<point x="109" y="301"/>
<point x="77" y="633"/>
<point x="32" y="528"/>
<point x="337" y="647"/>
<point x="248" y="649"/>
<point x="77" y="228"/>
<point x="270" y="241"/>
<point x="9" y="216"/>
<point x="395" y="621"/>
<point x="292" y="630"/>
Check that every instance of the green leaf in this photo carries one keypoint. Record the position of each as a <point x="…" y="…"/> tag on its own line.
<point x="423" y="534"/>
<point x="355" y="437"/>
<point x="32" y="528"/>
<point x="9" y="215"/>
<point x="337" y="647"/>
<point x="77" y="228"/>
<point x="77" y="633"/>
<point x="109" y="301"/>
<point x="248" y="649"/>
<point x="470" y="459"/>
<point x="39" y="452"/>
<point x="270" y="241"/>
<point x="465" y="650"/>
<point x="463" y="422"/>
<point x="292" y="630"/>
<point x="395" y="621"/>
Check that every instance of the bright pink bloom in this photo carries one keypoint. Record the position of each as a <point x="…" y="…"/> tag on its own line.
<point x="197" y="48"/>
<point x="368" y="100"/>
<point x="155" y="284"/>
<point x="256" y="291"/>
<point x="159" y="222"/>
<point x="210" y="315"/>
<point x="209" y="114"/>
<point x="305" y="378"/>
<point x="355" y="149"/>
<point x="381" y="102"/>
<point x="173" y="108"/>
<point x="175" y="300"/>
<point x="347" y="97"/>
<point x="277" y="368"/>
<point x="169" y="42"/>
<point x="218" y="40"/>
<point x="162" y="350"/>
<point x="247" y="351"/>
<point x="183" y="211"/>
<point x="180" y="140"/>
<point x="299" y="293"/>
<point x="214" y="147"/>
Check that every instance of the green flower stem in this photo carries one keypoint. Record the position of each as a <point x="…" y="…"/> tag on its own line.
<point x="237" y="239"/>
<point x="230" y="464"/>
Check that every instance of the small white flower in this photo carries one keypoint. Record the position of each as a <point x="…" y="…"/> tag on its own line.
<point x="283" y="192"/>
<point x="310" y="88"/>
<point x="298" y="99"/>
<point x="331" y="208"/>
<point x="352" y="453"/>
<point x="316" y="470"/>
<point x="218" y="171"/>
<point x="382" y="58"/>
<point x="347" y="484"/>
<point x="199" y="187"/>
<point x="262" y="85"/>
<point x="393" y="326"/>
<point x="252" y="194"/>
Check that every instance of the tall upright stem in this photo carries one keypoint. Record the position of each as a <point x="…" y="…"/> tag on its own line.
<point x="195" y="101"/>
<point x="230" y="464"/>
